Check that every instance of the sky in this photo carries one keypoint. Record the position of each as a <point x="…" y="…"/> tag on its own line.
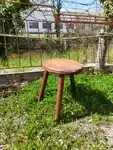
<point x="80" y="5"/>
<point x="83" y="5"/>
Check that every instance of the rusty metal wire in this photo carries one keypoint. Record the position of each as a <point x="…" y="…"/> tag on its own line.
<point x="78" y="40"/>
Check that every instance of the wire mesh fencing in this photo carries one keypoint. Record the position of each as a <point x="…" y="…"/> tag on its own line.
<point x="41" y="34"/>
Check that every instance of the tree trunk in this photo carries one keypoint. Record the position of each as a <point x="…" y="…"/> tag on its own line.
<point x="57" y="24"/>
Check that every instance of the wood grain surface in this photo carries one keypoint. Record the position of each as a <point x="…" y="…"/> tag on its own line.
<point x="62" y="66"/>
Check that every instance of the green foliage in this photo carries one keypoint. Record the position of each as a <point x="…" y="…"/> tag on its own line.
<point x="11" y="16"/>
<point x="58" y="5"/>
<point x="28" y="124"/>
<point x="10" y="22"/>
<point x="108" y="8"/>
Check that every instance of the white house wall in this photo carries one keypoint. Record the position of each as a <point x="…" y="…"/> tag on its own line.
<point x="40" y="17"/>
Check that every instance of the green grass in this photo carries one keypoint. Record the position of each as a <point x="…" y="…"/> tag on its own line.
<point x="29" y="59"/>
<point x="36" y="58"/>
<point x="26" y="124"/>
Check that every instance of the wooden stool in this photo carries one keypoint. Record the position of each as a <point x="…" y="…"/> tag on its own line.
<point x="61" y="67"/>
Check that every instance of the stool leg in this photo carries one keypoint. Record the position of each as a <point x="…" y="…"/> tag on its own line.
<point x="73" y="87"/>
<point x="59" y="96"/>
<point x="44" y="81"/>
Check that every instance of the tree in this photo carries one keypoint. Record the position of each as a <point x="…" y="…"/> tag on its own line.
<point x="58" y="6"/>
<point x="108" y="8"/>
<point x="104" y="40"/>
<point x="10" y="14"/>
<point x="10" y="21"/>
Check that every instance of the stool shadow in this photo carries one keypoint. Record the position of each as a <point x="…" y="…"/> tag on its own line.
<point x="93" y="100"/>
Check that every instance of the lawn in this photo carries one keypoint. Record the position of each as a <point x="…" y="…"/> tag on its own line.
<point x="29" y="59"/>
<point x="26" y="124"/>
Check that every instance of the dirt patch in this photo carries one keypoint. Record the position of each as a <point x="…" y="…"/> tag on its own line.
<point x="7" y="90"/>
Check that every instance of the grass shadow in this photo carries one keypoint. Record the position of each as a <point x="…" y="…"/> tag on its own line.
<point x="93" y="100"/>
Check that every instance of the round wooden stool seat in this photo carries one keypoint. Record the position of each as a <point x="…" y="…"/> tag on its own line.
<point x="61" y="67"/>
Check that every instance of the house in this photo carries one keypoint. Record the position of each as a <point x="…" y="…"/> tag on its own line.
<point x="42" y="21"/>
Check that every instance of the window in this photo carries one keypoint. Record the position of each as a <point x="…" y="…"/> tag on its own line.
<point x="46" y="25"/>
<point x="33" y="25"/>
<point x="61" y="25"/>
<point x="70" y="26"/>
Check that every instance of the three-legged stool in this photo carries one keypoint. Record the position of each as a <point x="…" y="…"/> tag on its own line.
<point x="61" y="67"/>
